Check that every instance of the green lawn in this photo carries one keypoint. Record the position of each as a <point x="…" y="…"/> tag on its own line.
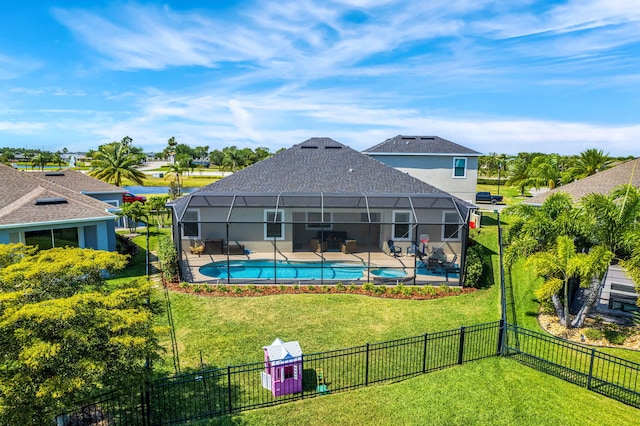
<point x="494" y="391"/>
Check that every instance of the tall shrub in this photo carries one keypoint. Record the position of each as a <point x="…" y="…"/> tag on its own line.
<point x="473" y="267"/>
<point x="168" y="257"/>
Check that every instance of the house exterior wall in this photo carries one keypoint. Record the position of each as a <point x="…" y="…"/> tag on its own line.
<point x="99" y="235"/>
<point x="246" y="227"/>
<point x="437" y="170"/>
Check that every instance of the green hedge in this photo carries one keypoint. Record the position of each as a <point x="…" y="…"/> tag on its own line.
<point x="474" y="266"/>
<point x="168" y="257"/>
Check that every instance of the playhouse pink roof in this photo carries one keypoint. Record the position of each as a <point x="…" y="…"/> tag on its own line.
<point x="283" y="351"/>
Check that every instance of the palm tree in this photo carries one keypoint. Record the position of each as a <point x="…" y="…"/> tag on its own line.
<point x="589" y="163"/>
<point x="41" y="159"/>
<point x="521" y="173"/>
<point x="113" y="162"/>
<point x="57" y="160"/>
<point x="546" y="170"/>
<point x="177" y="169"/>
<point x="563" y="264"/>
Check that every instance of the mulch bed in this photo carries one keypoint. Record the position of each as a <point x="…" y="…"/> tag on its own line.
<point x="391" y="292"/>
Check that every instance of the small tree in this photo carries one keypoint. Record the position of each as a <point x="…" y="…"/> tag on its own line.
<point x="65" y="332"/>
<point x="134" y="212"/>
<point x="156" y="206"/>
<point x="561" y="264"/>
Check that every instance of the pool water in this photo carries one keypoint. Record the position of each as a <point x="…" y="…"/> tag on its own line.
<point x="264" y="269"/>
<point x="389" y="273"/>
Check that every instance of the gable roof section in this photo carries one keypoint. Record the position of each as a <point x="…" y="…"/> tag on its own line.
<point x="420" y="145"/>
<point x="321" y="165"/>
<point x="22" y="189"/>
<point x="280" y="352"/>
<point x="79" y="182"/>
<point x="601" y="183"/>
<point x="312" y="172"/>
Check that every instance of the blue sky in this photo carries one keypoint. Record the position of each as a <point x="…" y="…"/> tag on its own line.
<point x="492" y="75"/>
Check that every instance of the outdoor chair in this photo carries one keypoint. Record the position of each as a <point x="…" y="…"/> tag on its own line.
<point x="197" y="248"/>
<point x="393" y="250"/>
<point x="450" y="264"/>
<point x="349" y="246"/>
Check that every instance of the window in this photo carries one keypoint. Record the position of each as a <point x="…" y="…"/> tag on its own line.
<point x="289" y="371"/>
<point x="401" y="225"/>
<point x="191" y="224"/>
<point x="273" y="226"/>
<point x="451" y="228"/>
<point x="49" y="238"/>
<point x="459" y="167"/>
<point x="317" y="220"/>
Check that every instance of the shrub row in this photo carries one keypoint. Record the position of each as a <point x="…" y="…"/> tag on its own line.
<point x="399" y="291"/>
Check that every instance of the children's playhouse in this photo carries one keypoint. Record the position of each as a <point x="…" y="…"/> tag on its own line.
<point x="283" y="368"/>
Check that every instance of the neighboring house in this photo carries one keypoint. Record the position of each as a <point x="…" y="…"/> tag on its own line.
<point x="601" y="183"/>
<point x="87" y="185"/>
<point x="37" y="211"/>
<point x="434" y="160"/>
<point x="321" y="187"/>
<point x="84" y="184"/>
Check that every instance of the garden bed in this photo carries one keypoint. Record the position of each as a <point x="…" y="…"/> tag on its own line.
<point x="399" y="291"/>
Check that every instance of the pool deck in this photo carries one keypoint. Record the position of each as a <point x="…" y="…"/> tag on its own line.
<point x="191" y="264"/>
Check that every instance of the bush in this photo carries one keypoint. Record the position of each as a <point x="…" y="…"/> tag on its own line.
<point x="168" y="257"/>
<point x="593" y="334"/>
<point x="222" y="288"/>
<point x="340" y="286"/>
<point x="615" y="337"/>
<point x="353" y="287"/>
<point x="125" y="245"/>
<point x="429" y="290"/>
<point x="368" y="286"/>
<point x="473" y="267"/>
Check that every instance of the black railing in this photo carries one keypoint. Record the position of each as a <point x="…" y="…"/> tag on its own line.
<point x="223" y="391"/>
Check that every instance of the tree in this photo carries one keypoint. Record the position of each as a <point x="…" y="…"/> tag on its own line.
<point x="56" y="159"/>
<point x="65" y="332"/>
<point x="176" y="169"/>
<point x="134" y="212"/>
<point x="156" y="206"/>
<point x="560" y="265"/>
<point x="589" y="163"/>
<point x="613" y="218"/>
<point x="521" y="172"/>
<point x="114" y="161"/>
<point x="41" y="159"/>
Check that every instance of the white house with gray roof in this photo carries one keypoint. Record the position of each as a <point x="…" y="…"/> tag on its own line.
<point x="320" y="191"/>
<point x="446" y="165"/>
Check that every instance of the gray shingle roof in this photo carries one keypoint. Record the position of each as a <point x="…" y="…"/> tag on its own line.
<point x="601" y="183"/>
<point x="79" y="182"/>
<point x="21" y="189"/>
<point x="321" y="165"/>
<point x="420" y="145"/>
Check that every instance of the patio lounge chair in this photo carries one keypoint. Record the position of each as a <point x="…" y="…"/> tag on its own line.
<point x="393" y="250"/>
<point x="349" y="246"/>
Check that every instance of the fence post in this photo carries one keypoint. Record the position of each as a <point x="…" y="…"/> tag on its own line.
<point x="593" y="354"/>
<point x="366" y="368"/>
<point x="229" y="388"/>
<point x="424" y="354"/>
<point x="501" y="333"/>
<point x="461" y="346"/>
<point x="302" y="375"/>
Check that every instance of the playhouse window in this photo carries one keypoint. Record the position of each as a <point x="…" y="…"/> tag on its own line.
<point x="289" y="371"/>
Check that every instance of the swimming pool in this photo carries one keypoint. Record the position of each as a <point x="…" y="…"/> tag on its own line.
<point x="265" y="269"/>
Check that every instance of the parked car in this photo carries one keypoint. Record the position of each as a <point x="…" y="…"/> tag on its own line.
<point x="128" y="197"/>
<point x="487" y="197"/>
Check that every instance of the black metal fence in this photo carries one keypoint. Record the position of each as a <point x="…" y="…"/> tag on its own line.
<point x="585" y="366"/>
<point x="223" y="391"/>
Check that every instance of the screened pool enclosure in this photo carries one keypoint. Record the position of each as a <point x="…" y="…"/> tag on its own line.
<point x="312" y="238"/>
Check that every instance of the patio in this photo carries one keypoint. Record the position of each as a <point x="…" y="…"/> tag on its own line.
<point x="191" y="263"/>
